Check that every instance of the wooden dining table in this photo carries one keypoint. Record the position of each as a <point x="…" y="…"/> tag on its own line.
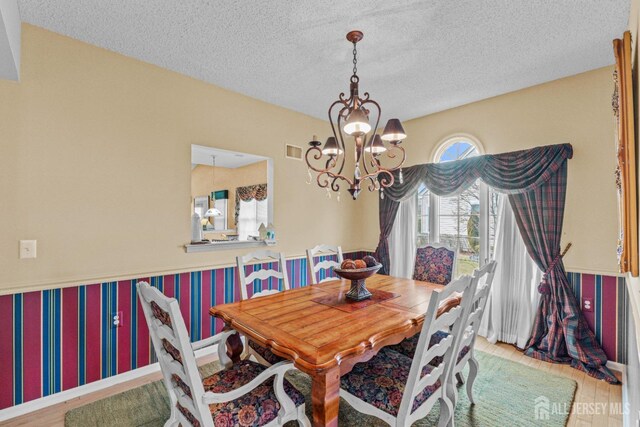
<point x="324" y="334"/>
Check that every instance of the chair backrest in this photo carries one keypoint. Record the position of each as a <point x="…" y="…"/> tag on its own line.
<point x="175" y="354"/>
<point x="435" y="264"/>
<point x="322" y="250"/>
<point x="257" y="258"/>
<point x="453" y="320"/>
<point x="484" y="276"/>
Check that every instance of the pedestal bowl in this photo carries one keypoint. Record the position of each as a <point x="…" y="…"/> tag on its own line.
<point x="358" y="291"/>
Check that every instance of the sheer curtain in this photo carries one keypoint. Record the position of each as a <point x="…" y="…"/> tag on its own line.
<point x="252" y="214"/>
<point x="514" y="297"/>
<point x="402" y="240"/>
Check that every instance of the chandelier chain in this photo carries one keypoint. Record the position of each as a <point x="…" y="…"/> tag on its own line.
<point x="355" y="60"/>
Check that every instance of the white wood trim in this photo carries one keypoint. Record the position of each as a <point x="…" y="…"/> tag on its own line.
<point x="224" y="246"/>
<point x="633" y="288"/>
<point x="63" y="396"/>
<point x="17" y="288"/>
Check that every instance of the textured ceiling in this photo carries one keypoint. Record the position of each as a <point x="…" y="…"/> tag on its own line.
<point x="417" y="57"/>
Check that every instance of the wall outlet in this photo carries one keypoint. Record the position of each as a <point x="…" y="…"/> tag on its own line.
<point x="118" y="320"/>
<point x="587" y="305"/>
<point x="27" y="249"/>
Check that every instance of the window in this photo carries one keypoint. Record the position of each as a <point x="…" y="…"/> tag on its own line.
<point x="251" y="215"/>
<point x="466" y="222"/>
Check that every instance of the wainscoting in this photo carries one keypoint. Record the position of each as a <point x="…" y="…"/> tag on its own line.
<point x="609" y="316"/>
<point x="58" y="339"/>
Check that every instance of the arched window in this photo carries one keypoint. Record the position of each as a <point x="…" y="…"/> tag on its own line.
<point x="466" y="222"/>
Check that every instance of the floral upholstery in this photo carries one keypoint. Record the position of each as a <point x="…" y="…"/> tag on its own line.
<point x="173" y="352"/>
<point x="160" y="314"/>
<point x="408" y="347"/>
<point x="434" y="265"/>
<point x="256" y="408"/>
<point x="265" y="353"/>
<point x="381" y="381"/>
<point x="188" y="415"/>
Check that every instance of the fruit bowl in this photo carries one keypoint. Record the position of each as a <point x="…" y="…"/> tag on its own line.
<point x="358" y="290"/>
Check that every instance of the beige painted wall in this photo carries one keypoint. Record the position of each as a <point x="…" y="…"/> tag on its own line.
<point x="576" y="109"/>
<point x="203" y="183"/>
<point x="95" y="164"/>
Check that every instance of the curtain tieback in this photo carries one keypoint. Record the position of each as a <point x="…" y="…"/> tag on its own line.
<point x="545" y="287"/>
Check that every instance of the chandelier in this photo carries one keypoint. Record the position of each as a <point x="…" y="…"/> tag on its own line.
<point x="350" y="117"/>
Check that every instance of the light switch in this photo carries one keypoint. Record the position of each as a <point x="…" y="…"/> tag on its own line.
<point x="27" y="249"/>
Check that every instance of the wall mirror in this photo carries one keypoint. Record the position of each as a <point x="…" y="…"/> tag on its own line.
<point x="232" y="196"/>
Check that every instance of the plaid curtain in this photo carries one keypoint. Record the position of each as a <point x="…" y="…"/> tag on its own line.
<point x="535" y="181"/>
<point x="388" y="210"/>
<point x="560" y="331"/>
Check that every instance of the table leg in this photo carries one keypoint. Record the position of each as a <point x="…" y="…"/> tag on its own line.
<point x="325" y="397"/>
<point x="234" y="346"/>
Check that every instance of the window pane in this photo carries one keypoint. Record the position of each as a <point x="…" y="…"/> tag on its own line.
<point x="247" y="219"/>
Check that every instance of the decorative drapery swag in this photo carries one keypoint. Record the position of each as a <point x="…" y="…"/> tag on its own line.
<point x="248" y="193"/>
<point x="535" y="181"/>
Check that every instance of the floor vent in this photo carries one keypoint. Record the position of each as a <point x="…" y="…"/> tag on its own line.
<point x="293" y="152"/>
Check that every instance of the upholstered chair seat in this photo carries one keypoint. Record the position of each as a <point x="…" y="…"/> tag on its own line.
<point x="256" y="408"/>
<point x="381" y="381"/>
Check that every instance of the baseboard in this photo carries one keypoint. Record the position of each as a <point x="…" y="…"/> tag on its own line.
<point x="619" y="367"/>
<point x="63" y="396"/>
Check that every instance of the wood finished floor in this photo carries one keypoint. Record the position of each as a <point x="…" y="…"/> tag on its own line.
<point x="589" y="390"/>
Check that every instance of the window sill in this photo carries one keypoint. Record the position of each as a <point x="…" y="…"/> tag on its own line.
<point x="222" y="246"/>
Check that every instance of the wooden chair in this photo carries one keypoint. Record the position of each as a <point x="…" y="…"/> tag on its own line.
<point x="471" y="328"/>
<point x="400" y="390"/>
<point x="264" y="355"/>
<point x="435" y="264"/>
<point x="408" y="347"/>
<point x="322" y="250"/>
<point x="237" y="387"/>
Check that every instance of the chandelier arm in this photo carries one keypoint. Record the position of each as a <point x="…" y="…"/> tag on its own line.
<point x="392" y="155"/>
<point x="333" y="176"/>
<point x="318" y="156"/>
<point x="338" y="135"/>
<point x="388" y="181"/>
<point x="370" y="139"/>
<point x="387" y="178"/>
<point x="340" y="138"/>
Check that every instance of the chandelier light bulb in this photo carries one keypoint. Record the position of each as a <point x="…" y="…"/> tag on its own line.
<point x="331" y="147"/>
<point x="357" y="123"/>
<point x="393" y="131"/>
<point x="376" y="146"/>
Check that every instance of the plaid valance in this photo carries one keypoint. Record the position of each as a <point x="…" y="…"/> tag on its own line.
<point x="509" y="173"/>
<point x="248" y="193"/>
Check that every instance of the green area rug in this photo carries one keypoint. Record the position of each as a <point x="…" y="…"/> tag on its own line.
<point x="505" y="392"/>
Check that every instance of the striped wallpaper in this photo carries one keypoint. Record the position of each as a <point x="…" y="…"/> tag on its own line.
<point x="58" y="339"/>
<point x="55" y="340"/>
<point x="609" y="317"/>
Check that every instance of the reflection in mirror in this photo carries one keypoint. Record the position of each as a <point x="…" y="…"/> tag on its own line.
<point x="230" y="193"/>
